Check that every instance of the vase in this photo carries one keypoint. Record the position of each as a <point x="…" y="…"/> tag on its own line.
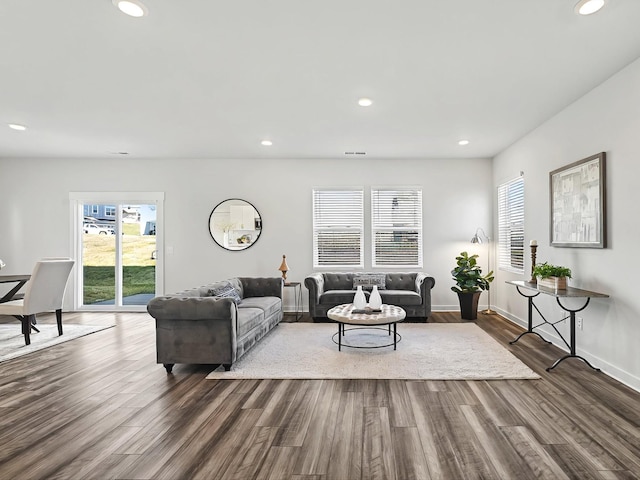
<point x="359" y="300"/>
<point x="375" y="300"/>
<point x="469" y="305"/>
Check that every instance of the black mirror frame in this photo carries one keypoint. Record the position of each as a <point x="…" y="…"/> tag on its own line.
<point x="259" y="223"/>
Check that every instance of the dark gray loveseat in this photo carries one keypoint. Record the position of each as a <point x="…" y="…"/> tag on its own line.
<point x="409" y="290"/>
<point x="206" y="325"/>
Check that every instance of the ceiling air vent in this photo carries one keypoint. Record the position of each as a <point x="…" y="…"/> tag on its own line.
<point x="355" y="153"/>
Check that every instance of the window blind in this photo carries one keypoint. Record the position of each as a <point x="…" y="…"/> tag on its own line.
<point x="338" y="226"/>
<point x="511" y="225"/>
<point x="396" y="227"/>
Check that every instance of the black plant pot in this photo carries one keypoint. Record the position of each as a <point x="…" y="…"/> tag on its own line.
<point x="469" y="305"/>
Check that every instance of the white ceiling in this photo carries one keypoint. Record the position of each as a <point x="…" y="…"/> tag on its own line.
<point x="212" y="78"/>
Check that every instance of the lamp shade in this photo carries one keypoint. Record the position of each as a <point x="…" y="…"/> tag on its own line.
<point x="479" y="236"/>
<point x="284" y="268"/>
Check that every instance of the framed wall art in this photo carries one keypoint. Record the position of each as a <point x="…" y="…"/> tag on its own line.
<point x="577" y="204"/>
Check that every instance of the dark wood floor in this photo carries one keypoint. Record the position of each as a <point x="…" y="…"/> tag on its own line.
<point x="99" y="407"/>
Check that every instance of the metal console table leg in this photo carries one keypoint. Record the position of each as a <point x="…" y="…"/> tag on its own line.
<point x="530" y="325"/>
<point x="572" y="339"/>
<point x="569" y="292"/>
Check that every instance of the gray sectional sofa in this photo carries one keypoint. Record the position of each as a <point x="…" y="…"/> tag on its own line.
<point x="216" y="323"/>
<point x="409" y="290"/>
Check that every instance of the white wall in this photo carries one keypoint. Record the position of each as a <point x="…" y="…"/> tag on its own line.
<point x="34" y="211"/>
<point x="607" y="119"/>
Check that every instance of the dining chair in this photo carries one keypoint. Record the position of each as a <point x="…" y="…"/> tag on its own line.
<point x="44" y="292"/>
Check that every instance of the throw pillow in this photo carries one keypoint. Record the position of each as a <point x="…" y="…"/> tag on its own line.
<point x="368" y="280"/>
<point x="225" y="291"/>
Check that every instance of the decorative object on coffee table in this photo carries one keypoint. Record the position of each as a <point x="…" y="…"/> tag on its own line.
<point x="359" y="299"/>
<point x="375" y="300"/>
<point x="469" y="284"/>
<point x="284" y="268"/>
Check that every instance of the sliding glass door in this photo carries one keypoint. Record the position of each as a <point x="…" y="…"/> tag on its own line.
<point x="117" y="246"/>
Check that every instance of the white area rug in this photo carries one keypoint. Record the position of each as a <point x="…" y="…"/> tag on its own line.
<point x="433" y="351"/>
<point x="12" y="341"/>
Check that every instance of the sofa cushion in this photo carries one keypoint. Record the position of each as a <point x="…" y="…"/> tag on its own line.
<point x="269" y="305"/>
<point x="401" y="281"/>
<point x="400" y="297"/>
<point x="369" y="280"/>
<point x="337" y="297"/>
<point x="248" y="318"/>
<point x="225" y="290"/>
<point x="338" y="281"/>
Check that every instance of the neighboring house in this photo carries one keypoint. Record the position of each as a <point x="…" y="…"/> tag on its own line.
<point x="103" y="213"/>
<point x="107" y="213"/>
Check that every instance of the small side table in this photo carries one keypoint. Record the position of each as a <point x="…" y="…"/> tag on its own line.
<point x="297" y="294"/>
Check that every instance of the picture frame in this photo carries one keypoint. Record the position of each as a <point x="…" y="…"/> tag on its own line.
<point x="578" y="204"/>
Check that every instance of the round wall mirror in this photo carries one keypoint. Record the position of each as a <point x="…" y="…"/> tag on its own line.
<point x="235" y="224"/>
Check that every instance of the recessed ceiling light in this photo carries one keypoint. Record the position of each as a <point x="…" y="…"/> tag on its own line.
<point x="17" y="126"/>
<point x="463" y="142"/>
<point x="587" y="7"/>
<point x="365" y="102"/>
<point x="266" y="143"/>
<point x="133" y="8"/>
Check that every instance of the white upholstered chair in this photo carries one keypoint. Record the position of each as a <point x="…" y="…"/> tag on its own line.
<point x="44" y="292"/>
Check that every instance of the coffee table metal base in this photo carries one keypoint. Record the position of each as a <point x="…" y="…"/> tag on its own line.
<point x="341" y="330"/>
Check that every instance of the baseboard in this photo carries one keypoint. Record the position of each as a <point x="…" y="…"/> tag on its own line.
<point x="618" y="374"/>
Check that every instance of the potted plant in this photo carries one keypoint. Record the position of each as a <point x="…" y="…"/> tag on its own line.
<point x="551" y="276"/>
<point x="469" y="284"/>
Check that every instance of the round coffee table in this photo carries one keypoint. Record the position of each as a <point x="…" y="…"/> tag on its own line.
<point x="389" y="315"/>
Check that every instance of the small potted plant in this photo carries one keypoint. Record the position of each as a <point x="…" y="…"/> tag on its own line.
<point x="469" y="284"/>
<point x="551" y="276"/>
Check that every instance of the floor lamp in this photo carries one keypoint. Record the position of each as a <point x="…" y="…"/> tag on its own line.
<point x="481" y="237"/>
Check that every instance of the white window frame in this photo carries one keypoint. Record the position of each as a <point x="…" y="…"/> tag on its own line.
<point x="76" y="202"/>
<point x="338" y="211"/>
<point x="396" y="215"/>
<point x="511" y="225"/>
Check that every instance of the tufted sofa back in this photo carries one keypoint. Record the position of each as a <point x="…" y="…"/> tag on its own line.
<point x="394" y="281"/>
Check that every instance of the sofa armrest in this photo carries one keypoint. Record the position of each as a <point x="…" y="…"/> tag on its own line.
<point x="315" y="285"/>
<point x="261" y="286"/>
<point x="424" y="284"/>
<point x="192" y="308"/>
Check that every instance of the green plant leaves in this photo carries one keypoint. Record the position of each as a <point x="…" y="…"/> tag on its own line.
<point x="468" y="275"/>
<point x="546" y="270"/>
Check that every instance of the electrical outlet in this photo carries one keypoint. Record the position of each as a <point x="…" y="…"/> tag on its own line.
<point x="579" y="323"/>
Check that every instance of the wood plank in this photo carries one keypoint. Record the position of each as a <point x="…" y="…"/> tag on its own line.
<point x="346" y="451"/>
<point x="378" y="459"/>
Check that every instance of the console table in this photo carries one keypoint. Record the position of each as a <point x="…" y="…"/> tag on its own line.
<point x="569" y="292"/>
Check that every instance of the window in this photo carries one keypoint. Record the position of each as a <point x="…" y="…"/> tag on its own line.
<point x="511" y="225"/>
<point x="110" y="211"/>
<point x="396" y="227"/>
<point x="338" y="225"/>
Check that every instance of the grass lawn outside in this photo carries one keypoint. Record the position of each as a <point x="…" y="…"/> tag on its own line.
<point x="99" y="264"/>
